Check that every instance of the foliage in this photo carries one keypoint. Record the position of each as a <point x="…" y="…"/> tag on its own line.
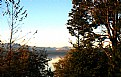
<point x="15" y="14"/>
<point x="84" y="63"/>
<point x="105" y="15"/>
<point x="86" y="16"/>
<point x="20" y="62"/>
<point x="115" y="62"/>
<point x="24" y="63"/>
<point x="79" y="25"/>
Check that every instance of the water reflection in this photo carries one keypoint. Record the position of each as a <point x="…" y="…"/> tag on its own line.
<point x="55" y="56"/>
<point x="54" y="60"/>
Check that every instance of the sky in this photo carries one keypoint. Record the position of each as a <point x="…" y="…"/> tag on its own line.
<point x="48" y="17"/>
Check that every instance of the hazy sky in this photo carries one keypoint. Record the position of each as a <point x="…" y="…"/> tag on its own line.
<point x="49" y="18"/>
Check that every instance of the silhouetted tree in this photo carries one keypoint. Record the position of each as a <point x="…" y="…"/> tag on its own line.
<point x="87" y="16"/>
<point x="25" y="63"/>
<point x="84" y="63"/>
<point x="104" y="14"/>
<point x="78" y="25"/>
<point x="20" y="62"/>
<point x="15" y="14"/>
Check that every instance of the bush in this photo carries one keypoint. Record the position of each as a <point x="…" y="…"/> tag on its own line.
<point x="82" y="63"/>
<point x="24" y="63"/>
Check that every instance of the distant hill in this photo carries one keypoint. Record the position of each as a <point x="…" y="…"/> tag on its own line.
<point x="60" y="48"/>
<point x="51" y="51"/>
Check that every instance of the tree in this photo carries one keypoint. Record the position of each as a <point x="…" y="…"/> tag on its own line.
<point x="15" y="15"/>
<point x="107" y="14"/>
<point x="38" y="64"/>
<point x="104" y="14"/>
<point x="78" y="24"/>
<point x="25" y="63"/>
<point x="87" y="16"/>
<point x="84" y="63"/>
<point x="21" y="62"/>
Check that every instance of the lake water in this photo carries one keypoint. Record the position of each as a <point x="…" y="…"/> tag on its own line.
<point x="55" y="56"/>
<point x="56" y="59"/>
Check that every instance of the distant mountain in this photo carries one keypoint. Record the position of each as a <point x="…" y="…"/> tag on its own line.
<point x="64" y="48"/>
<point x="50" y="48"/>
<point x="52" y="52"/>
<point x="16" y="45"/>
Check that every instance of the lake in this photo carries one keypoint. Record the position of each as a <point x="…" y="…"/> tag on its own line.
<point x="55" y="56"/>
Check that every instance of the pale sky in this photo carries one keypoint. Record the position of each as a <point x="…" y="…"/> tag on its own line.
<point x="48" y="17"/>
